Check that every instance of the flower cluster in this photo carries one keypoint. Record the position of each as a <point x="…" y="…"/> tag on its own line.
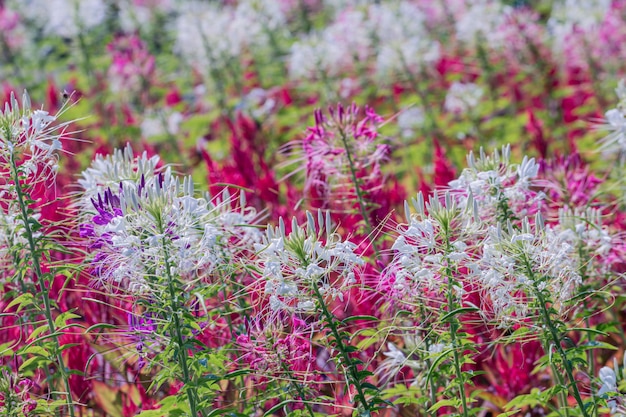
<point x="516" y="264"/>
<point x="15" y="396"/>
<point x="502" y="190"/>
<point x="155" y="226"/>
<point x="437" y="240"/>
<point x="340" y="149"/>
<point x="296" y="266"/>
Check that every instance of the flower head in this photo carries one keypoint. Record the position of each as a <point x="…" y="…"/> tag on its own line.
<point x="155" y="225"/>
<point x="341" y="143"/>
<point x="295" y="265"/>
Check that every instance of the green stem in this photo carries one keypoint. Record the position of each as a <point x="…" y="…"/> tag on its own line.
<point x="557" y="344"/>
<point x="297" y="387"/>
<point x="558" y="379"/>
<point x="359" y="193"/>
<point x="42" y="284"/>
<point x="454" y="327"/>
<point x="345" y="357"/>
<point x="192" y="394"/>
<point x="433" y="386"/>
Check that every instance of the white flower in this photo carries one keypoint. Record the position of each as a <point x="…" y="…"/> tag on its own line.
<point x="66" y="18"/>
<point x="152" y="222"/>
<point x="616" y="124"/>
<point x="409" y="120"/>
<point x="515" y="264"/>
<point x="434" y="240"/>
<point x="107" y="172"/>
<point x="332" y="51"/>
<point x="210" y="36"/>
<point x="403" y="40"/>
<point x="303" y="263"/>
<point x="461" y="98"/>
<point x="481" y="21"/>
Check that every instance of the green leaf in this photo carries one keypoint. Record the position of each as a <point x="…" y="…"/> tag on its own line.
<point x="31" y="361"/>
<point x="594" y="331"/>
<point x="39" y="330"/>
<point x="458" y="311"/>
<point x="100" y="326"/>
<point x="62" y="319"/>
<point x="36" y="350"/>
<point x="235" y="374"/>
<point x="367" y="385"/>
<point x="444" y="403"/>
<point x="594" y="344"/>
<point x="436" y="362"/>
<point x="277" y="407"/>
<point x="365" y="317"/>
<point x="23" y="301"/>
<point x="6" y="349"/>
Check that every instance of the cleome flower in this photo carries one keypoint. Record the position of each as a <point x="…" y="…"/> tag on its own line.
<point x="31" y="139"/>
<point x="144" y="228"/>
<point x="518" y="263"/>
<point x="341" y="146"/>
<point x="438" y="238"/>
<point x="295" y="265"/>
<point x="109" y="171"/>
<point x="615" y="123"/>
<point x="502" y="190"/>
<point x="16" y="398"/>
<point x="30" y="142"/>
<point x="612" y="387"/>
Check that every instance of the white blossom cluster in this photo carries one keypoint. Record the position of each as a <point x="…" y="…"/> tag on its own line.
<point x="12" y="240"/>
<point x="333" y="50"/>
<point x="616" y="124"/>
<point x="436" y="240"/>
<point x="157" y="123"/>
<point x="462" y="97"/>
<point x="64" y="18"/>
<point x="392" y="35"/>
<point x="396" y="359"/>
<point x="210" y="35"/>
<point x="134" y="14"/>
<point x="569" y="17"/>
<point x="480" y="236"/>
<point x="403" y="43"/>
<point x="30" y="142"/>
<point x="592" y="239"/>
<point x="155" y="226"/>
<point x="496" y="184"/>
<point x="108" y="171"/>
<point x="481" y="21"/>
<point x="31" y="138"/>
<point x="610" y="379"/>
<point x="516" y="264"/>
<point x="294" y="265"/>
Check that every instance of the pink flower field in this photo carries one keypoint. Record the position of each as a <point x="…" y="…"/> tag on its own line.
<point x="307" y="208"/>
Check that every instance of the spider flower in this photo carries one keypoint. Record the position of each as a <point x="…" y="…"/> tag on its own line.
<point x="147" y="229"/>
<point x="109" y="171"/>
<point x="294" y="265"/>
<point x="518" y="263"/>
<point x="611" y="382"/>
<point x="30" y="139"/>
<point x="615" y="123"/>
<point x="438" y="238"/>
<point x="16" y="400"/>
<point x="341" y="146"/>
<point x="30" y="142"/>
<point x="502" y="190"/>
